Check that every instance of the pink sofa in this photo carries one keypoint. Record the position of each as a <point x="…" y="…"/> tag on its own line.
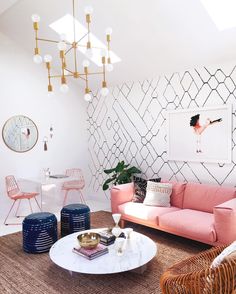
<point x="205" y="213"/>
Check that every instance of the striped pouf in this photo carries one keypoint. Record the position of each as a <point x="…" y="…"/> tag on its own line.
<point x="39" y="232"/>
<point x="74" y="218"/>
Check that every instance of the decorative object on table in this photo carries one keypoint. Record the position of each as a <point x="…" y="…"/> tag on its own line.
<point x="74" y="218"/>
<point x="120" y="246"/>
<point x="91" y="253"/>
<point x="45" y="145"/>
<point x="107" y="238"/>
<point x="46" y="172"/>
<point x="51" y="132"/>
<point x="77" y="183"/>
<point x="140" y="187"/>
<point x="194" y="275"/>
<point x="89" y="240"/>
<point x="128" y="232"/>
<point x="20" y="133"/>
<point x="158" y="194"/>
<point x="39" y="232"/>
<point x="14" y="193"/>
<point x="69" y="45"/>
<point x="121" y="174"/>
<point x="116" y="231"/>
<point x="193" y="134"/>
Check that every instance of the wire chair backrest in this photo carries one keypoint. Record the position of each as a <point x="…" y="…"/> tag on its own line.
<point x="75" y="173"/>
<point x="11" y="186"/>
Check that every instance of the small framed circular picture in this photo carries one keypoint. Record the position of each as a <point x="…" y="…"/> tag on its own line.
<point x="20" y="133"/>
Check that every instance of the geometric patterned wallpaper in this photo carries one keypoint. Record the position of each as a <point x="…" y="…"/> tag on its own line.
<point x="130" y="124"/>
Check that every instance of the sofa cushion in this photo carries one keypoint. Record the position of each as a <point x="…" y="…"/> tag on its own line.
<point x="177" y="195"/>
<point x="140" y="186"/>
<point x="148" y="213"/>
<point x="190" y="223"/>
<point x="158" y="194"/>
<point x="205" y="197"/>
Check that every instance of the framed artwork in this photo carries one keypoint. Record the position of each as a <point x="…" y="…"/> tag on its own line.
<point x="20" y="133"/>
<point x="201" y="134"/>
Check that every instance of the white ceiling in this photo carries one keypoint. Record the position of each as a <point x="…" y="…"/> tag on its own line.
<point x="151" y="37"/>
<point x="5" y="4"/>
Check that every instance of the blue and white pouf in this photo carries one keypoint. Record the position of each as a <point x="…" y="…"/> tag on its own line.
<point x="74" y="218"/>
<point x="39" y="232"/>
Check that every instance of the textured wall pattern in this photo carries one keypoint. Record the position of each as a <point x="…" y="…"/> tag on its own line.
<point x="130" y="124"/>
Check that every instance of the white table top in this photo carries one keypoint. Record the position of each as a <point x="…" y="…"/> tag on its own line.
<point x="140" y="249"/>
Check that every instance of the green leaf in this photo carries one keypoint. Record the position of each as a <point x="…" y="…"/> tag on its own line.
<point x="105" y="187"/>
<point x="109" y="171"/>
<point x="133" y="170"/>
<point x="120" y="166"/>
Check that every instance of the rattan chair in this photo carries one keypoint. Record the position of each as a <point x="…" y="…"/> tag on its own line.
<point x="195" y="276"/>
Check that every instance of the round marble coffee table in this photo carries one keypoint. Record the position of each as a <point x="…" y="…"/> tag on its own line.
<point x="139" y="251"/>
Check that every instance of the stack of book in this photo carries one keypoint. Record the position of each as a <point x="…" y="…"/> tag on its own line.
<point x="107" y="238"/>
<point x="91" y="253"/>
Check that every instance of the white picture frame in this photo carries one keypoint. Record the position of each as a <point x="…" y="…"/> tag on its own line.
<point x="208" y="139"/>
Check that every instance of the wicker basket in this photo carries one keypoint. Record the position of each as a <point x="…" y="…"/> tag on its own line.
<point x="194" y="275"/>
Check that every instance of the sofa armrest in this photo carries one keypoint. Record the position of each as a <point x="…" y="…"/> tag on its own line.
<point x="225" y="221"/>
<point x="121" y="194"/>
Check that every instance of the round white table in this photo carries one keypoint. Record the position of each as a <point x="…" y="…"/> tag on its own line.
<point x="139" y="250"/>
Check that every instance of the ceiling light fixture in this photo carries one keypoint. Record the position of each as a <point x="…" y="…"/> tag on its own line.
<point x="66" y="47"/>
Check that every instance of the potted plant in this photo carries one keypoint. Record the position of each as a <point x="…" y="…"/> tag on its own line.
<point x="121" y="174"/>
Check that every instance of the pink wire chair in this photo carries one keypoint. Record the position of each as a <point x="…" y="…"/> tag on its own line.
<point x="76" y="183"/>
<point x="13" y="192"/>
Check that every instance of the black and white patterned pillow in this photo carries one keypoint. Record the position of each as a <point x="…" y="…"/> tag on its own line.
<point x="140" y="186"/>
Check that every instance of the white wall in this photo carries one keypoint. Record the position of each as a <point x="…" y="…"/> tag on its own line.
<point x="23" y="90"/>
<point x="130" y="124"/>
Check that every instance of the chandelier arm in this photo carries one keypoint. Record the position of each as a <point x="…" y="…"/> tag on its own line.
<point x="59" y="76"/>
<point x="81" y="39"/>
<point x="52" y="41"/>
<point x="93" y="73"/>
<point x="66" y="52"/>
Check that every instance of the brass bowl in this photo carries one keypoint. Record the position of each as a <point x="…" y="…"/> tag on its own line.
<point x="89" y="240"/>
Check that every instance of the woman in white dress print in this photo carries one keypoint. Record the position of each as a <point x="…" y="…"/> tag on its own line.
<point x="199" y="129"/>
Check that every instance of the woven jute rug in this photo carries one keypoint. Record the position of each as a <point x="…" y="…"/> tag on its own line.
<point x="21" y="272"/>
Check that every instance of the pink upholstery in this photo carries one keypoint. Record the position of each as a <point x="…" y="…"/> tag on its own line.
<point x="225" y="221"/>
<point x="145" y="212"/>
<point x="205" y="197"/>
<point x="177" y="195"/>
<point x="121" y="194"/>
<point x="192" y="223"/>
<point x="195" y="220"/>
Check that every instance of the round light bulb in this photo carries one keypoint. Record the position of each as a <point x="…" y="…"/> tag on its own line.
<point x="86" y="63"/>
<point x="61" y="46"/>
<point x="47" y="58"/>
<point x="37" y="59"/>
<point x="108" y="31"/>
<point x="87" y="97"/>
<point x="35" y="18"/>
<point x="104" y="91"/>
<point x="63" y="37"/>
<point x="103" y="52"/>
<point x="64" y="88"/>
<point x="109" y="67"/>
<point x="88" y="10"/>
<point x="89" y="52"/>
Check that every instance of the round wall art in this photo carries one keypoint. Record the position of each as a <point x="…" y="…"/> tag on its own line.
<point x="20" y="133"/>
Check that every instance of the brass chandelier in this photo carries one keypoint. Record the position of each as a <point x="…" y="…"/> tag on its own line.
<point x="66" y="47"/>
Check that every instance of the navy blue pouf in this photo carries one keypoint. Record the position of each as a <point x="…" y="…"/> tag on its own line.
<point x="39" y="232"/>
<point x="74" y="218"/>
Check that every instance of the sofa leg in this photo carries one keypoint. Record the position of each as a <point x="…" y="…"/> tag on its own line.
<point x="122" y="223"/>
